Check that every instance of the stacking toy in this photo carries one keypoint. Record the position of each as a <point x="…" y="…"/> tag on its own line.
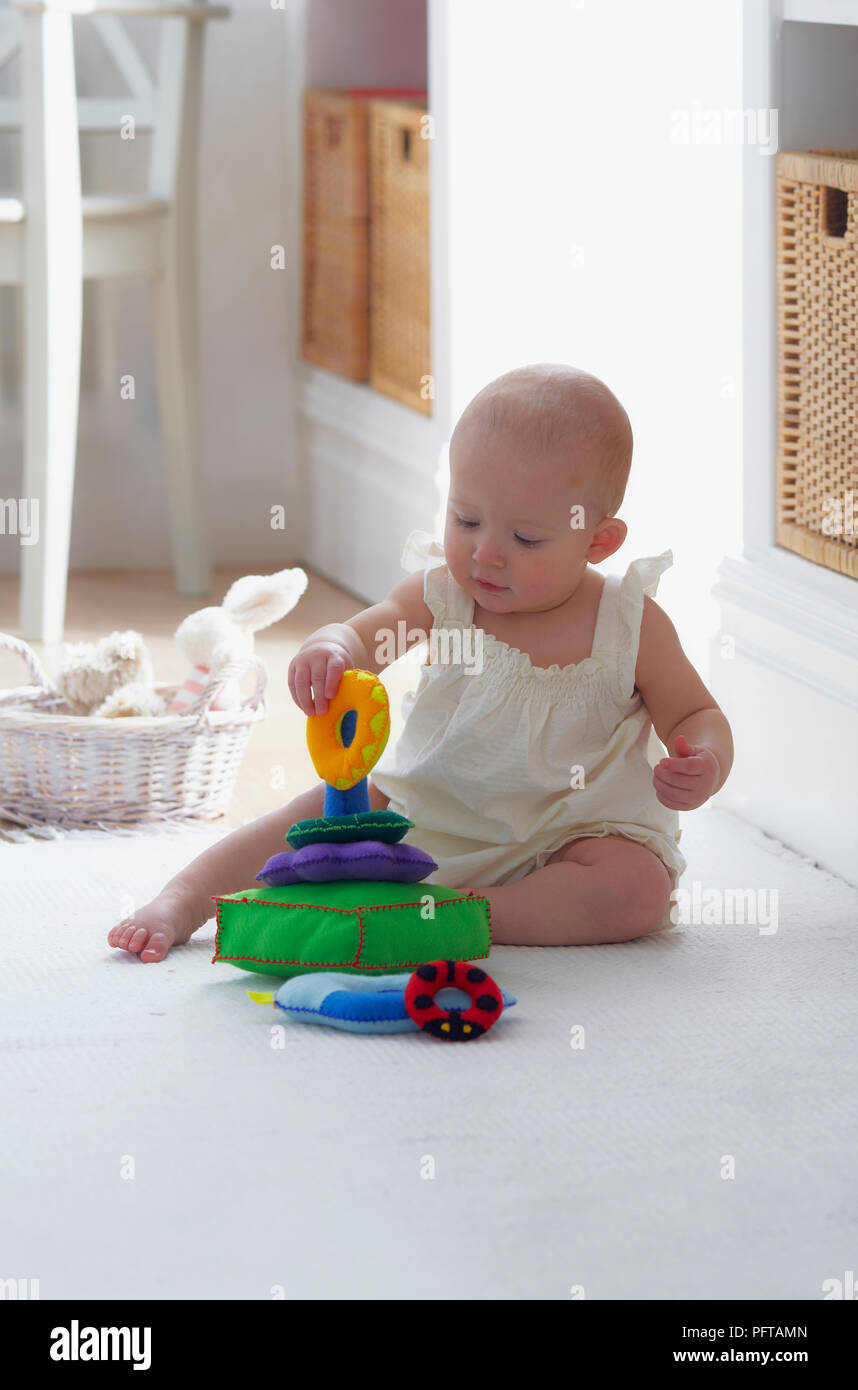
<point x="349" y="895"/>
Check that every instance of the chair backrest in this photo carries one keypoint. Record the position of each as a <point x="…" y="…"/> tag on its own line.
<point x="165" y="104"/>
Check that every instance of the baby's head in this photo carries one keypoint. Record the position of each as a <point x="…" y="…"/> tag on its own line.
<point x="539" y="462"/>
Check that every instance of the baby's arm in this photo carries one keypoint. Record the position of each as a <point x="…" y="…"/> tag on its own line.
<point x="359" y="644"/>
<point x="684" y="715"/>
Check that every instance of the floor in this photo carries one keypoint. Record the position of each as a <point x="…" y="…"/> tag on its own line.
<point x="671" y="1118"/>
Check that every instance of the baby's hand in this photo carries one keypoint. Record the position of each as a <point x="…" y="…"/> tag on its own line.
<point x="686" y="780"/>
<point x="320" y="664"/>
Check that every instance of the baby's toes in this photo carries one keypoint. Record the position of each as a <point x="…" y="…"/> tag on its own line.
<point x="138" y="939"/>
<point x="151" y="944"/>
<point x="156" y="947"/>
<point x="121" y="935"/>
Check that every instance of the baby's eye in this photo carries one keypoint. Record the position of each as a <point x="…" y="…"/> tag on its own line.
<point x="460" y="521"/>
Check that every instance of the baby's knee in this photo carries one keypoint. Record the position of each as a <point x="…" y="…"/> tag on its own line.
<point x="652" y="897"/>
<point x="640" y="895"/>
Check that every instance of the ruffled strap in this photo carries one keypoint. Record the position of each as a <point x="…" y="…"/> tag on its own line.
<point x="618" y="629"/>
<point x="441" y="594"/>
<point x="420" y="550"/>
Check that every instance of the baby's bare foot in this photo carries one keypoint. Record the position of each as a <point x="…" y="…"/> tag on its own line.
<point x="168" y="920"/>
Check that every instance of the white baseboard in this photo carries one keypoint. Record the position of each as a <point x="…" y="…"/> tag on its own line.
<point x="371" y="468"/>
<point x="784" y="668"/>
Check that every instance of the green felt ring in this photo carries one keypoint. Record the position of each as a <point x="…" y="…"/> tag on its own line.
<point x="359" y="825"/>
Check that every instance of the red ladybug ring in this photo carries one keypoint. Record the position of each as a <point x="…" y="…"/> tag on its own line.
<point x="456" y="1025"/>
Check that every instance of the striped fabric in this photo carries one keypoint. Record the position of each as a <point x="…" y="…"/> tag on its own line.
<point x="194" y="685"/>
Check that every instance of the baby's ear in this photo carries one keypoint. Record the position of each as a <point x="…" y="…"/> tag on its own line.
<point x="607" y="538"/>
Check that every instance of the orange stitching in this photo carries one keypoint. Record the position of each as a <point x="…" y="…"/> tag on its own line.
<point x="217" y="929"/>
<point x="263" y="902"/>
<point x="359" y="907"/>
<point x="367" y="969"/>
<point x="264" y="960"/>
<point x="362" y="906"/>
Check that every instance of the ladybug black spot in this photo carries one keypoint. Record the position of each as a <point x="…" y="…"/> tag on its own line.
<point x="454" y="1031"/>
<point x="423" y="1001"/>
<point x="487" y="1002"/>
<point x="426" y="972"/>
<point x="475" y="975"/>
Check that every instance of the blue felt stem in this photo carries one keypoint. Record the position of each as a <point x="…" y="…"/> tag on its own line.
<point x="347" y="803"/>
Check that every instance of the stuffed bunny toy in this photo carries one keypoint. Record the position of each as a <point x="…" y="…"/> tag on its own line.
<point x="211" y="637"/>
<point x="113" y="678"/>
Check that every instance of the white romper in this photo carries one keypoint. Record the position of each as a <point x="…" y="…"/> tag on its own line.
<point x="486" y="759"/>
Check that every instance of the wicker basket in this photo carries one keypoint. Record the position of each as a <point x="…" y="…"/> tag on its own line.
<point x="817" y="477"/>
<point x="63" y="769"/>
<point x="400" y="348"/>
<point x="335" y="317"/>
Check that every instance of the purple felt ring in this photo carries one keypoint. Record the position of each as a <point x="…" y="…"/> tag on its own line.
<point x="368" y="859"/>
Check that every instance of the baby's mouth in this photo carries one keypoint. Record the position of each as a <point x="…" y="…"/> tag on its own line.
<point x="491" y="588"/>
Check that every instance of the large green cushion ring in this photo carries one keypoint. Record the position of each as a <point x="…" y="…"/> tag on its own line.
<point x="372" y="928"/>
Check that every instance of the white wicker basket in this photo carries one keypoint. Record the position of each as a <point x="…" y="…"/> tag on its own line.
<point x="63" y="769"/>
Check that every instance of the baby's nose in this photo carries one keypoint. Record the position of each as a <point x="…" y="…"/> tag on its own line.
<point x="487" y="553"/>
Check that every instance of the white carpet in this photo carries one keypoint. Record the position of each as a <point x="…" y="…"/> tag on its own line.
<point x="555" y="1167"/>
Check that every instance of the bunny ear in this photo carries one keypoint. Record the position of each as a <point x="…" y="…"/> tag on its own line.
<point x="257" y="600"/>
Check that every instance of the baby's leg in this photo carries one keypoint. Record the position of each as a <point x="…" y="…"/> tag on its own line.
<point x="593" y="890"/>
<point x="184" y="904"/>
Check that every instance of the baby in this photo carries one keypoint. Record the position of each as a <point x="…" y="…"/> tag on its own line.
<point x="523" y="758"/>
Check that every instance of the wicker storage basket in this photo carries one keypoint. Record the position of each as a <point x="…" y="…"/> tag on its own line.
<point x="817" y="266"/>
<point x="59" y="768"/>
<point x="400" y="349"/>
<point x="335" y="317"/>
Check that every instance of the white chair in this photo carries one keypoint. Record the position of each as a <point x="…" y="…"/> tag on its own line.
<point x="53" y="237"/>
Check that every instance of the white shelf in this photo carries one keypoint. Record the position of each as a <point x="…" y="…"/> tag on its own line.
<point x="821" y="11"/>
<point x="788" y="675"/>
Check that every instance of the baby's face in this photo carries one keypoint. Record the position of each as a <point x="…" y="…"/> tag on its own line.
<point x="510" y="522"/>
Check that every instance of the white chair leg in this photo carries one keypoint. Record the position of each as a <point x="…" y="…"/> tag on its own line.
<point x="52" y="322"/>
<point x="10" y="373"/>
<point x="176" y="346"/>
<point x="106" y="320"/>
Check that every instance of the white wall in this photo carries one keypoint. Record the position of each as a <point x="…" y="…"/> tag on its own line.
<point x="369" y="43"/>
<point x="578" y="231"/>
<point x="585" y="234"/>
<point x="245" y="197"/>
